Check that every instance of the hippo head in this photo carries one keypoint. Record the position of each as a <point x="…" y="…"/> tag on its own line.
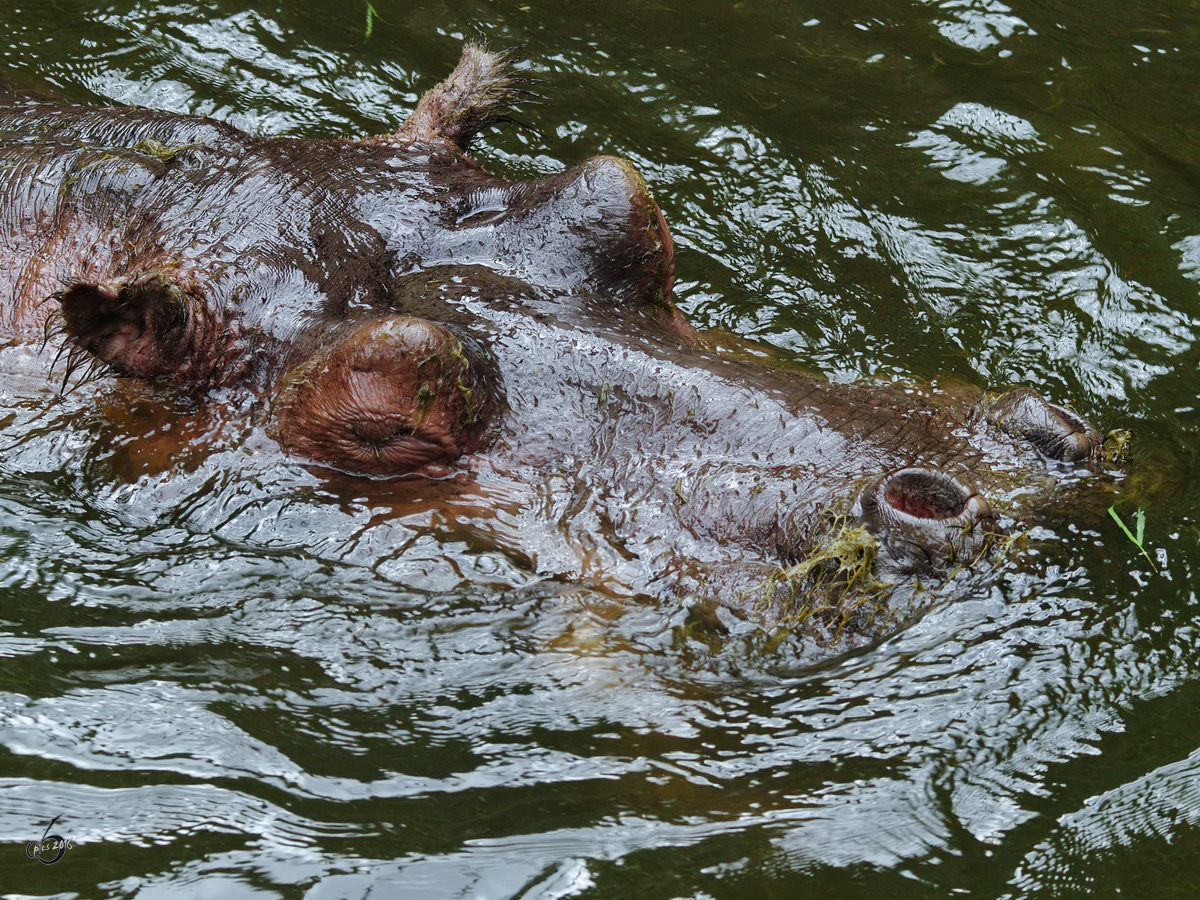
<point x="404" y="312"/>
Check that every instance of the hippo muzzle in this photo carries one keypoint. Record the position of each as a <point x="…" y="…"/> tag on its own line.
<point x="926" y="520"/>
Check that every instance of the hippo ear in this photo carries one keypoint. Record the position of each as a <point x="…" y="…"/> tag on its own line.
<point x="139" y="327"/>
<point x="475" y="95"/>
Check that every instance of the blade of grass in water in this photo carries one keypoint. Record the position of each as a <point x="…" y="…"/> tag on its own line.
<point x="371" y="17"/>
<point x="1141" y="531"/>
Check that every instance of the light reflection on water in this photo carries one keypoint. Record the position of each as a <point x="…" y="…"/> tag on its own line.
<point x="231" y="673"/>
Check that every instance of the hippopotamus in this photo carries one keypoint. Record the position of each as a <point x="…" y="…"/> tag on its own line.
<point x="396" y="311"/>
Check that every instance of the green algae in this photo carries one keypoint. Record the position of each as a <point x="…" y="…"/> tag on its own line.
<point x="835" y="593"/>
<point x="164" y="153"/>
<point x="157" y="149"/>
<point x="833" y="590"/>
<point x="1117" y="446"/>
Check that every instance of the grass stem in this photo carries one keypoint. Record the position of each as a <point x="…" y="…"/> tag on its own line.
<point x="1141" y="531"/>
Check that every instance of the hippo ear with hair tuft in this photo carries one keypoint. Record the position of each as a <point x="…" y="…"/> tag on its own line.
<point x="476" y="95"/>
<point x="141" y="326"/>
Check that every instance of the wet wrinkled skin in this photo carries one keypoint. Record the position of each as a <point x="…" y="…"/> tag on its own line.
<point x="401" y="312"/>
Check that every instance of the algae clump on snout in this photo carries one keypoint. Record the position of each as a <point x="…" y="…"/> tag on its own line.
<point x="833" y="590"/>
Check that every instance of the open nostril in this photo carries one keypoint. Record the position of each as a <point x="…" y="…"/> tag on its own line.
<point x="925" y="495"/>
<point x="922" y="517"/>
<point x="922" y="495"/>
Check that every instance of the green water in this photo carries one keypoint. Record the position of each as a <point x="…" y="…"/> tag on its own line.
<point x="232" y="679"/>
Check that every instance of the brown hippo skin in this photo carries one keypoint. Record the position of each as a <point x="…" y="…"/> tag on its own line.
<point x="401" y="312"/>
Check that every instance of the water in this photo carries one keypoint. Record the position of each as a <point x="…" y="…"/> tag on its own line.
<point x="231" y="677"/>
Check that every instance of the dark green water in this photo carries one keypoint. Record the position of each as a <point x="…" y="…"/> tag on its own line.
<point x="231" y="679"/>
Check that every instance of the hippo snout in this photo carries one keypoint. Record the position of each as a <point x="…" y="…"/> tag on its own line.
<point x="925" y="519"/>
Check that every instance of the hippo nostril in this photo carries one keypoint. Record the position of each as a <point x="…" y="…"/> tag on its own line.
<point x="924" y="495"/>
<point x="1054" y="430"/>
<point x="1077" y="438"/>
<point x="922" y="517"/>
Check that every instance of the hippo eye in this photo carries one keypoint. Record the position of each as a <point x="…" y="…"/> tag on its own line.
<point x="374" y="433"/>
<point x="397" y="395"/>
